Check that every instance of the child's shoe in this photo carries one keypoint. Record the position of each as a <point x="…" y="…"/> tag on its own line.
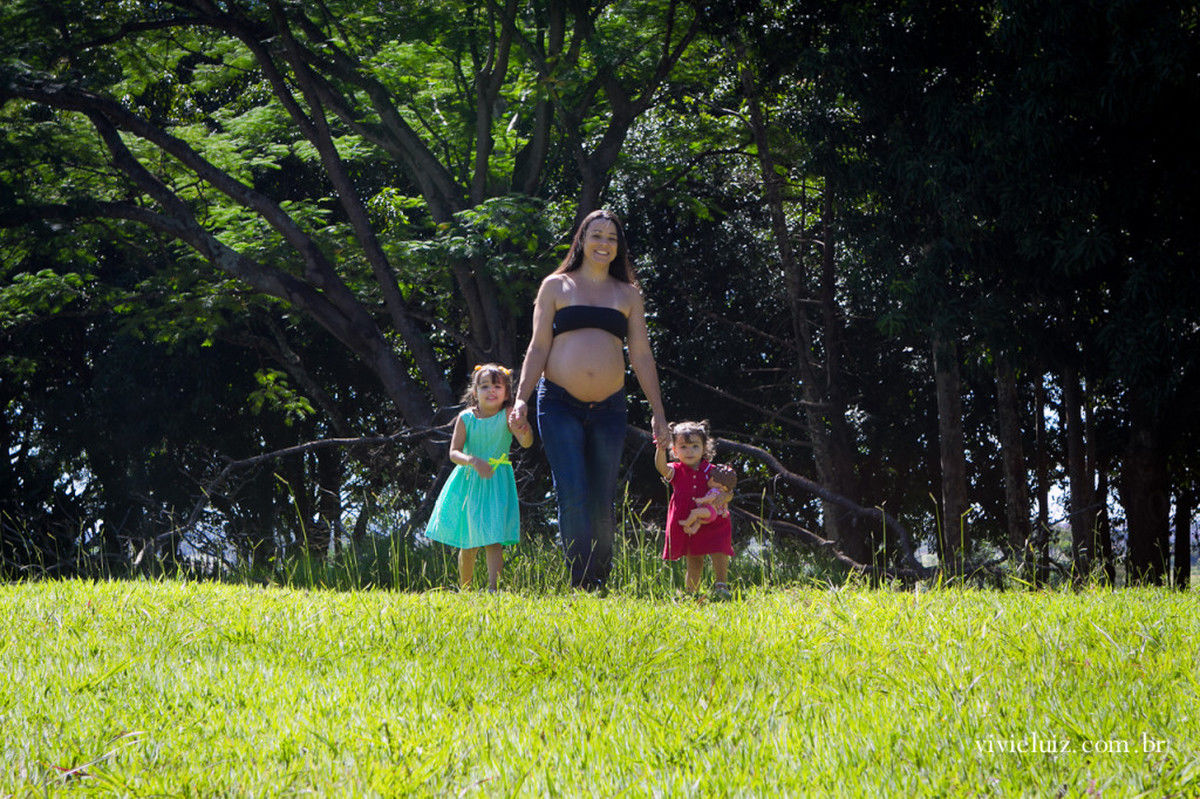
<point x="720" y="592"/>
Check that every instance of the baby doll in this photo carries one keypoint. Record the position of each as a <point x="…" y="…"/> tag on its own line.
<point x="721" y="482"/>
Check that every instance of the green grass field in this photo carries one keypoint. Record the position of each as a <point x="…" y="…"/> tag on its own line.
<point x="181" y="688"/>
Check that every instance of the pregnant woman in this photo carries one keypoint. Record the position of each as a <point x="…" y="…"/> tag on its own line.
<point x="586" y="313"/>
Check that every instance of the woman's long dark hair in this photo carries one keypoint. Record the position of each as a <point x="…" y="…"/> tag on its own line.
<point x="621" y="267"/>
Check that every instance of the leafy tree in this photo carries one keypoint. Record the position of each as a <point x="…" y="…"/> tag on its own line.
<point x="379" y="171"/>
<point x="189" y="100"/>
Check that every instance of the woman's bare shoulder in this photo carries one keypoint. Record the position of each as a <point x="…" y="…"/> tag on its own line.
<point x="554" y="286"/>
<point x="631" y="298"/>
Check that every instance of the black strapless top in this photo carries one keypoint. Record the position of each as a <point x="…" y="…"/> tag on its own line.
<point x="576" y="317"/>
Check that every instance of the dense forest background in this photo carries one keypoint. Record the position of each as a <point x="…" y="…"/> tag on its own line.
<point x="928" y="268"/>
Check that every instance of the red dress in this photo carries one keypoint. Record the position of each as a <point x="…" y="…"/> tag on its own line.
<point x="713" y="537"/>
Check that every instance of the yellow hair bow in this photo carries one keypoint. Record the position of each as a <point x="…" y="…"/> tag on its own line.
<point x="507" y="372"/>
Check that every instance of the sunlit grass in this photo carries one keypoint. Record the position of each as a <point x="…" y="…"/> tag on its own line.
<point x="138" y="688"/>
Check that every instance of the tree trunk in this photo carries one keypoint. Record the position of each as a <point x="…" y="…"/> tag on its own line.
<point x="1016" y="476"/>
<point x="1081" y="506"/>
<point x="857" y="540"/>
<point x="531" y="160"/>
<point x="252" y="523"/>
<point x="286" y="357"/>
<point x="954" y="536"/>
<point x="1098" y="468"/>
<point x="1145" y="494"/>
<point x="365" y="513"/>
<point x="1104" y="525"/>
<point x="114" y="516"/>
<point x="490" y="327"/>
<point x="1185" y="507"/>
<point x="626" y="104"/>
<point x="1042" y="469"/>
<point x="818" y="411"/>
<point x="933" y="474"/>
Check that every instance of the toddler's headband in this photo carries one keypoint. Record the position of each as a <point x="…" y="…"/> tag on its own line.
<point x="507" y="372"/>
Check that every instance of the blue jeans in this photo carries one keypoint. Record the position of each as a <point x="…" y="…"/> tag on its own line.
<point x="584" y="442"/>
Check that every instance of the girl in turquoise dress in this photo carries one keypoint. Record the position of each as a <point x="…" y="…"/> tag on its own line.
<point x="478" y="505"/>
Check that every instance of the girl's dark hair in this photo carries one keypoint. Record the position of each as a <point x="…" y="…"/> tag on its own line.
<point x="621" y="267"/>
<point x="502" y="373"/>
<point x="698" y="429"/>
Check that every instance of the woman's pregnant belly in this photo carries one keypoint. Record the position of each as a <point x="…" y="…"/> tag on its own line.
<point x="589" y="363"/>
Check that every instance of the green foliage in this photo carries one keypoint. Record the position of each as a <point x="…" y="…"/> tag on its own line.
<point x="29" y="295"/>
<point x="274" y="392"/>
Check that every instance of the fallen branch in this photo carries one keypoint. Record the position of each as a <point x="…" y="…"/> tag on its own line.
<point x="829" y="548"/>
<point x="232" y="466"/>
<point x="876" y="515"/>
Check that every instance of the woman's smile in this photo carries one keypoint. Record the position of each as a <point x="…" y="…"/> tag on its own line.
<point x="601" y="243"/>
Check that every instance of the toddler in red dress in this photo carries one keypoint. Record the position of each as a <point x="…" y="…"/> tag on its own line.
<point x="689" y="477"/>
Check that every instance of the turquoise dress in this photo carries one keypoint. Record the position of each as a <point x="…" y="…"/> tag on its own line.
<point x="473" y="511"/>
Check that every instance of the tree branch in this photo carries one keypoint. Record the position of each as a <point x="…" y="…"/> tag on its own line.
<point x="356" y="213"/>
<point x="827" y="547"/>
<point x="140" y="27"/>
<point x="773" y="415"/>
<point x="876" y="515"/>
<point x="323" y="294"/>
<point x="233" y="466"/>
<point x="393" y="135"/>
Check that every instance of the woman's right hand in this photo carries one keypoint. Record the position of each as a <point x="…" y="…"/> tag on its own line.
<point x="517" y="415"/>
